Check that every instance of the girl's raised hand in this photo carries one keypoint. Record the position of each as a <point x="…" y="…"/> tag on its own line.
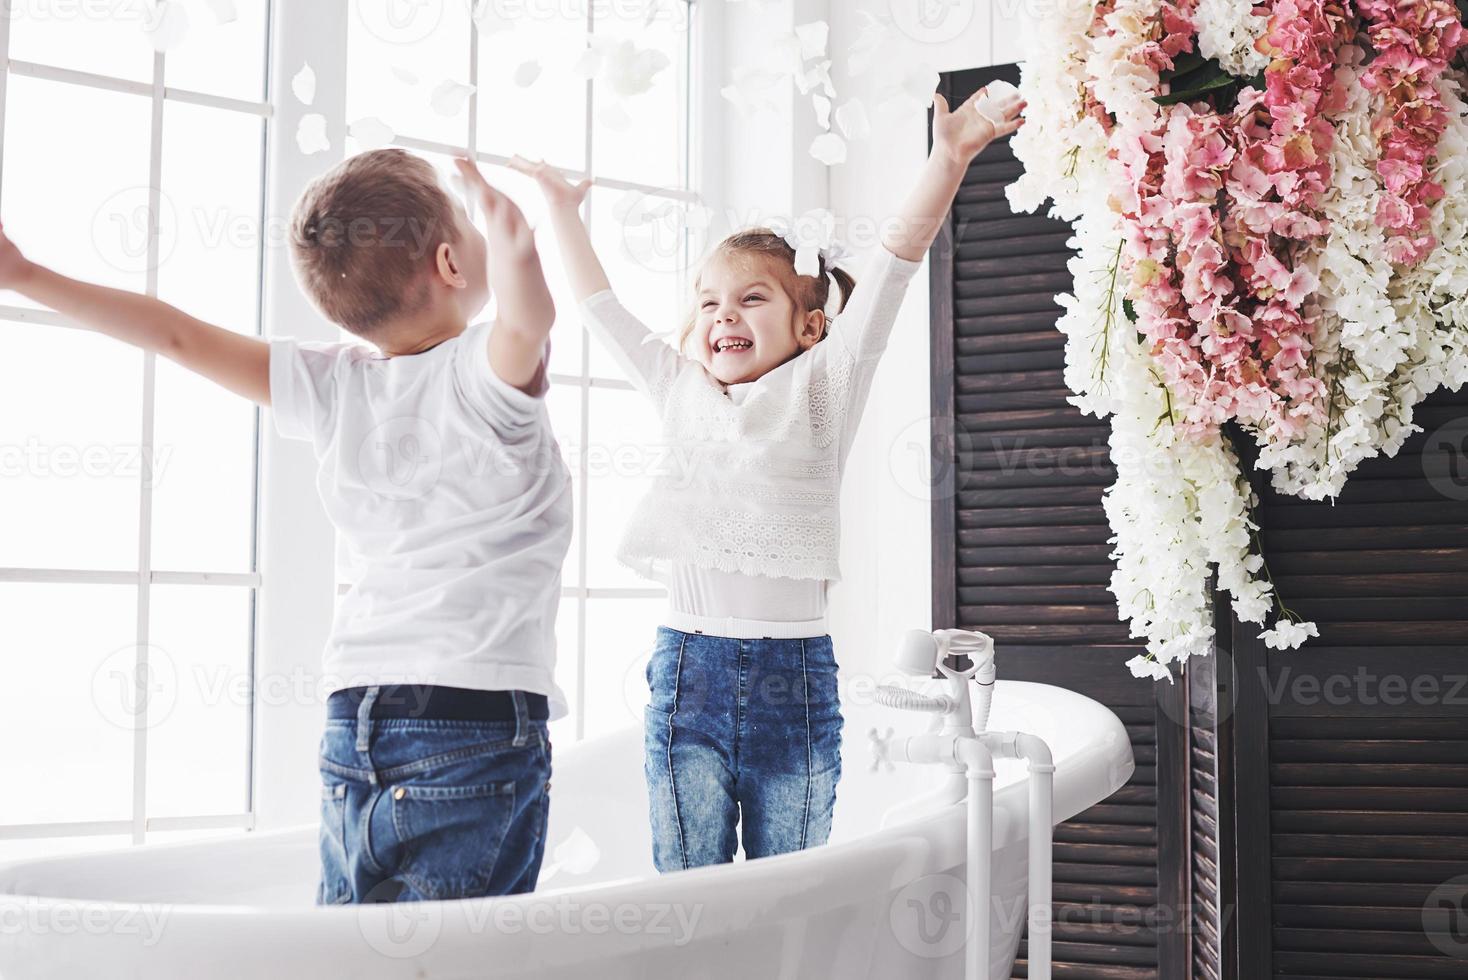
<point x="963" y="133"/>
<point x="557" y="189"/>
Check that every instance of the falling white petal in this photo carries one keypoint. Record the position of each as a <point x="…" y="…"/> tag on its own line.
<point x="166" y="25"/>
<point x="303" y="84"/>
<point x="813" y="39"/>
<point x="753" y="90"/>
<point x="816" y="75"/>
<point x="613" y="115"/>
<point x="629" y="70"/>
<point x="877" y="37"/>
<point x="920" y="84"/>
<point x="449" y="97"/>
<point x="823" y="110"/>
<point x="404" y="75"/>
<point x="527" y="73"/>
<point x="588" y="64"/>
<point x="224" y="11"/>
<point x="783" y="54"/>
<point x="828" y="148"/>
<point x="851" y="116"/>
<point x="311" y="134"/>
<point x="371" y="132"/>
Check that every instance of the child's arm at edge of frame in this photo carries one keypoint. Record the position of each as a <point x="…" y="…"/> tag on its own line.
<point x="232" y="360"/>
<point x="958" y="137"/>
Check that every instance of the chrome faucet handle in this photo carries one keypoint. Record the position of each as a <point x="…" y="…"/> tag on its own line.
<point x="881" y="749"/>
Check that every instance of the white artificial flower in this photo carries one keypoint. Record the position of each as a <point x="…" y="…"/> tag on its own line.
<point x="1288" y="635"/>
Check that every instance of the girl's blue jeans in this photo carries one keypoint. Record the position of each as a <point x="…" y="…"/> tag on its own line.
<point x="740" y="731"/>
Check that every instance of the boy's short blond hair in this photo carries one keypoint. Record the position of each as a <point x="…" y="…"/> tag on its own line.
<point x="363" y="237"/>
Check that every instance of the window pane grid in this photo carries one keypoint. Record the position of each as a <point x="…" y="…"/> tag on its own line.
<point x="128" y="661"/>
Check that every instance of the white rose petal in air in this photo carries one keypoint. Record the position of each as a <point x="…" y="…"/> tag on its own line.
<point x="527" y="73"/>
<point x="851" y="116"/>
<point x="829" y="148"/>
<point x="311" y="134"/>
<point x="629" y="70"/>
<point x="998" y="96"/>
<point x="783" y="54"/>
<point x="813" y="39"/>
<point x="403" y="75"/>
<point x="614" y="116"/>
<point x="449" y="97"/>
<point x="753" y="90"/>
<point x="920" y="84"/>
<point x="588" y="64"/>
<point x="166" y="25"/>
<point x="224" y="11"/>
<point x="817" y="75"/>
<point x="823" y="110"/>
<point x="371" y="132"/>
<point x="303" y="84"/>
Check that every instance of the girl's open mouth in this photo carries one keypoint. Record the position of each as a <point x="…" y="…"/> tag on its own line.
<point x="732" y="345"/>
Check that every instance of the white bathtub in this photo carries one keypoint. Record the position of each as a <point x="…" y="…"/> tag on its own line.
<point x="872" y="902"/>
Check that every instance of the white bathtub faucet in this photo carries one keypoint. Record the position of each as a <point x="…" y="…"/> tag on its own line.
<point x="958" y="741"/>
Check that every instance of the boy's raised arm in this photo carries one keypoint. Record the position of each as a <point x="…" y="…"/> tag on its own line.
<point x="958" y="137"/>
<point x="232" y="360"/>
<point x="524" y="310"/>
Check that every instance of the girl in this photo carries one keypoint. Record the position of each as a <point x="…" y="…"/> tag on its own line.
<point x="763" y="394"/>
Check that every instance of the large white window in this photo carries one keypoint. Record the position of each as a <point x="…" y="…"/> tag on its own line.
<point x="127" y="485"/>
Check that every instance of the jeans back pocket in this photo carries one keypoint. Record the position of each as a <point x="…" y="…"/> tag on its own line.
<point x="451" y="835"/>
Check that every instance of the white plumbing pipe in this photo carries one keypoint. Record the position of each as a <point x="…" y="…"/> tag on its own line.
<point x="976" y="753"/>
<point x="978" y="763"/>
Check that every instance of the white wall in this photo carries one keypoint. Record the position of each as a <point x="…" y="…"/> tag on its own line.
<point x="886" y="540"/>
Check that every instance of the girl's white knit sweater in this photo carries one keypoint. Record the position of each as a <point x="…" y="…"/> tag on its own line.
<point x="749" y="475"/>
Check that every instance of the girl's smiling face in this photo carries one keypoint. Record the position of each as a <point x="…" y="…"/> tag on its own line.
<point x="745" y="322"/>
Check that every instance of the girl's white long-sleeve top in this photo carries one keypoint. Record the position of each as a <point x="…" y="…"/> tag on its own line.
<point x="747" y="484"/>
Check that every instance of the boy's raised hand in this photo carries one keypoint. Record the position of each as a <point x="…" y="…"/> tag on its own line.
<point x="505" y="229"/>
<point x="559" y="191"/>
<point x="963" y="133"/>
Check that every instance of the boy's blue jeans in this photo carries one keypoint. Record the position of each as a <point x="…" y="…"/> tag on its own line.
<point x="737" y="729"/>
<point x="418" y="809"/>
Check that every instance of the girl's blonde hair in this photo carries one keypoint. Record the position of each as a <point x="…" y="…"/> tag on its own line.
<point x="807" y="292"/>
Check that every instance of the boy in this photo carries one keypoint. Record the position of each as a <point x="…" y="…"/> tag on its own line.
<point x="440" y="472"/>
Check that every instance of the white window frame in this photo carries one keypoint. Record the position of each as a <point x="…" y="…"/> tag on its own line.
<point x="145" y="576"/>
<point x="293" y="544"/>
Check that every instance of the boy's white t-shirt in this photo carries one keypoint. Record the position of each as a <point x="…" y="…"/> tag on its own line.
<point x="453" y="503"/>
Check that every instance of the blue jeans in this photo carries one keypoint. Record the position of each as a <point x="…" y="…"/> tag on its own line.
<point x="420" y="809"/>
<point x="740" y="728"/>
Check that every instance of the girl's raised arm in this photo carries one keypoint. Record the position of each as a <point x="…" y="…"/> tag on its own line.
<point x="647" y="362"/>
<point x="563" y="199"/>
<point x="958" y="137"/>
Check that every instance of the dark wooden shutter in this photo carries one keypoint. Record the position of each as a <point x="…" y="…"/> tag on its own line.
<point x="1363" y="802"/>
<point x="1020" y="552"/>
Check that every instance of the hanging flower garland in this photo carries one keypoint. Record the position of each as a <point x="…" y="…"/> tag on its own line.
<point x="1271" y="233"/>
